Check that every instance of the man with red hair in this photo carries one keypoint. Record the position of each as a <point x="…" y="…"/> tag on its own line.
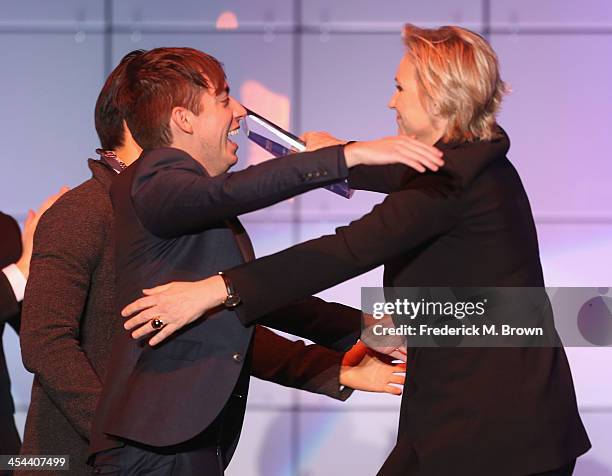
<point x="179" y="407"/>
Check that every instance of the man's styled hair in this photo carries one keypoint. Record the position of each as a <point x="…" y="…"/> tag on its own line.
<point x="109" y="113"/>
<point x="458" y="74"/>
<point x="158" y="81"/>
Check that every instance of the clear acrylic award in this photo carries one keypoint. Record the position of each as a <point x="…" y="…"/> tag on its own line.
<point x="257" y="128"/>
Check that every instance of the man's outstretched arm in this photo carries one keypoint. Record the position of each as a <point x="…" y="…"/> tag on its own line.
<point x="332" y="325"/>
<point x="173" y="194"/>
<point x="316" y="369"/>
<point x="404" y="220"/>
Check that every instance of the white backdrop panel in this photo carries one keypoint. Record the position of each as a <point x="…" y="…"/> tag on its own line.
<point x="550" y="13"/>
<point x="265" y="445"/>
<point x="598" y="461"/>
<point x="355" y="443"/>
<point x="195" y="11"/>
<point x="576" y="255"/>
<point x="29" y="12"/>
<point x="558" y="118"/>
<point x="348" y="82"/>
<point x="46" y="118"/>
<point x="371" y="14"/>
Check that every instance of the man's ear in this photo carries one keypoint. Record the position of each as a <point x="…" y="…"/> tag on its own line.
<point x="181" y="118"/>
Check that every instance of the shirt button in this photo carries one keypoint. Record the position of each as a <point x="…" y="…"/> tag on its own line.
<point x="237" y="357"/>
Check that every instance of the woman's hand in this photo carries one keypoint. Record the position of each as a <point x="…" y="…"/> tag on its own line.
<point x="364" y="369"/>
<point x="175" y="304"/>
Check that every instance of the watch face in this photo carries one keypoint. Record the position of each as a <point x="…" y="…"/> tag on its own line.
<point x="232" y="300"/>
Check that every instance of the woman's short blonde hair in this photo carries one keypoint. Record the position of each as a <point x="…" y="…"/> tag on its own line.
<point x="458" y="74"/>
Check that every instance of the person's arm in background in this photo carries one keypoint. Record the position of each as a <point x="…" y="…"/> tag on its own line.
<point x="69" y="241"/>
<point x="173" y="195"/>
<point x="13" y="277"/>
<point x="16" y="249"/>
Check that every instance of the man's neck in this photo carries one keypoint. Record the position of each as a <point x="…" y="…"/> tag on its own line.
<point x="128" y="153"/>
<point x="187" y="146"/>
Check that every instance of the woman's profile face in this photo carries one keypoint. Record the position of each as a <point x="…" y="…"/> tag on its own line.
<point x="412" y="117"/>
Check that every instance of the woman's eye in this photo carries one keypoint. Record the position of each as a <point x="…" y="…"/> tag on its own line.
<point x="398" y="87"/>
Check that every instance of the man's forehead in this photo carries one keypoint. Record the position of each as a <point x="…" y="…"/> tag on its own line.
<point x="225" y="90"/>
<point x="218" y="93"/>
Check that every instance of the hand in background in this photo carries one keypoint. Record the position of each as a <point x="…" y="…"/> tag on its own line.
<point x="364" y="369"/>
<point x="27" y="237"/>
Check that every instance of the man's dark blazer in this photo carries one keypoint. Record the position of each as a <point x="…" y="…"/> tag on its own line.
<point x="10" y="251"/>
<point x="69" y="318"/>
<point x="488" y="411"/>
<point x="175" y="222"/>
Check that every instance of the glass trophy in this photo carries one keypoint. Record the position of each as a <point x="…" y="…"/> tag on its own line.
<point x="258" y="129"/>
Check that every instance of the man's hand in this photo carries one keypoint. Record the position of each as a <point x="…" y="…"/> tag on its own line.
<point x="27" y="237"/>
<point x="176" y="304"/>
<point x="389" y="150"/>
<point x="364" y="369"/>
<point x="318" y="140"/>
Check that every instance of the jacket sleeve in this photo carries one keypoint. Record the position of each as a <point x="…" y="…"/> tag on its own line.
<point x="173" y="195"/>
<point x="424" y="208"/>
<point x="67" y="245"/>
<point x="329" y="324"/>
<point x="391" y="178"/>
<point x="311" y="368"/>
<point x="380" y="178"/>
<point x="402" y="221"/>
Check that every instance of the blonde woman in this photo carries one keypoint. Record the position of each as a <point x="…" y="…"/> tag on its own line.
<point x="465" y="411"/>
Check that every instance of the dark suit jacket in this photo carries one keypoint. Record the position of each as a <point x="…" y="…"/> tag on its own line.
<point x="69" y="318"/>
<point x="10" y="251"/>
<point x="504" y="411"/>
<point x="174" y="222"/>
